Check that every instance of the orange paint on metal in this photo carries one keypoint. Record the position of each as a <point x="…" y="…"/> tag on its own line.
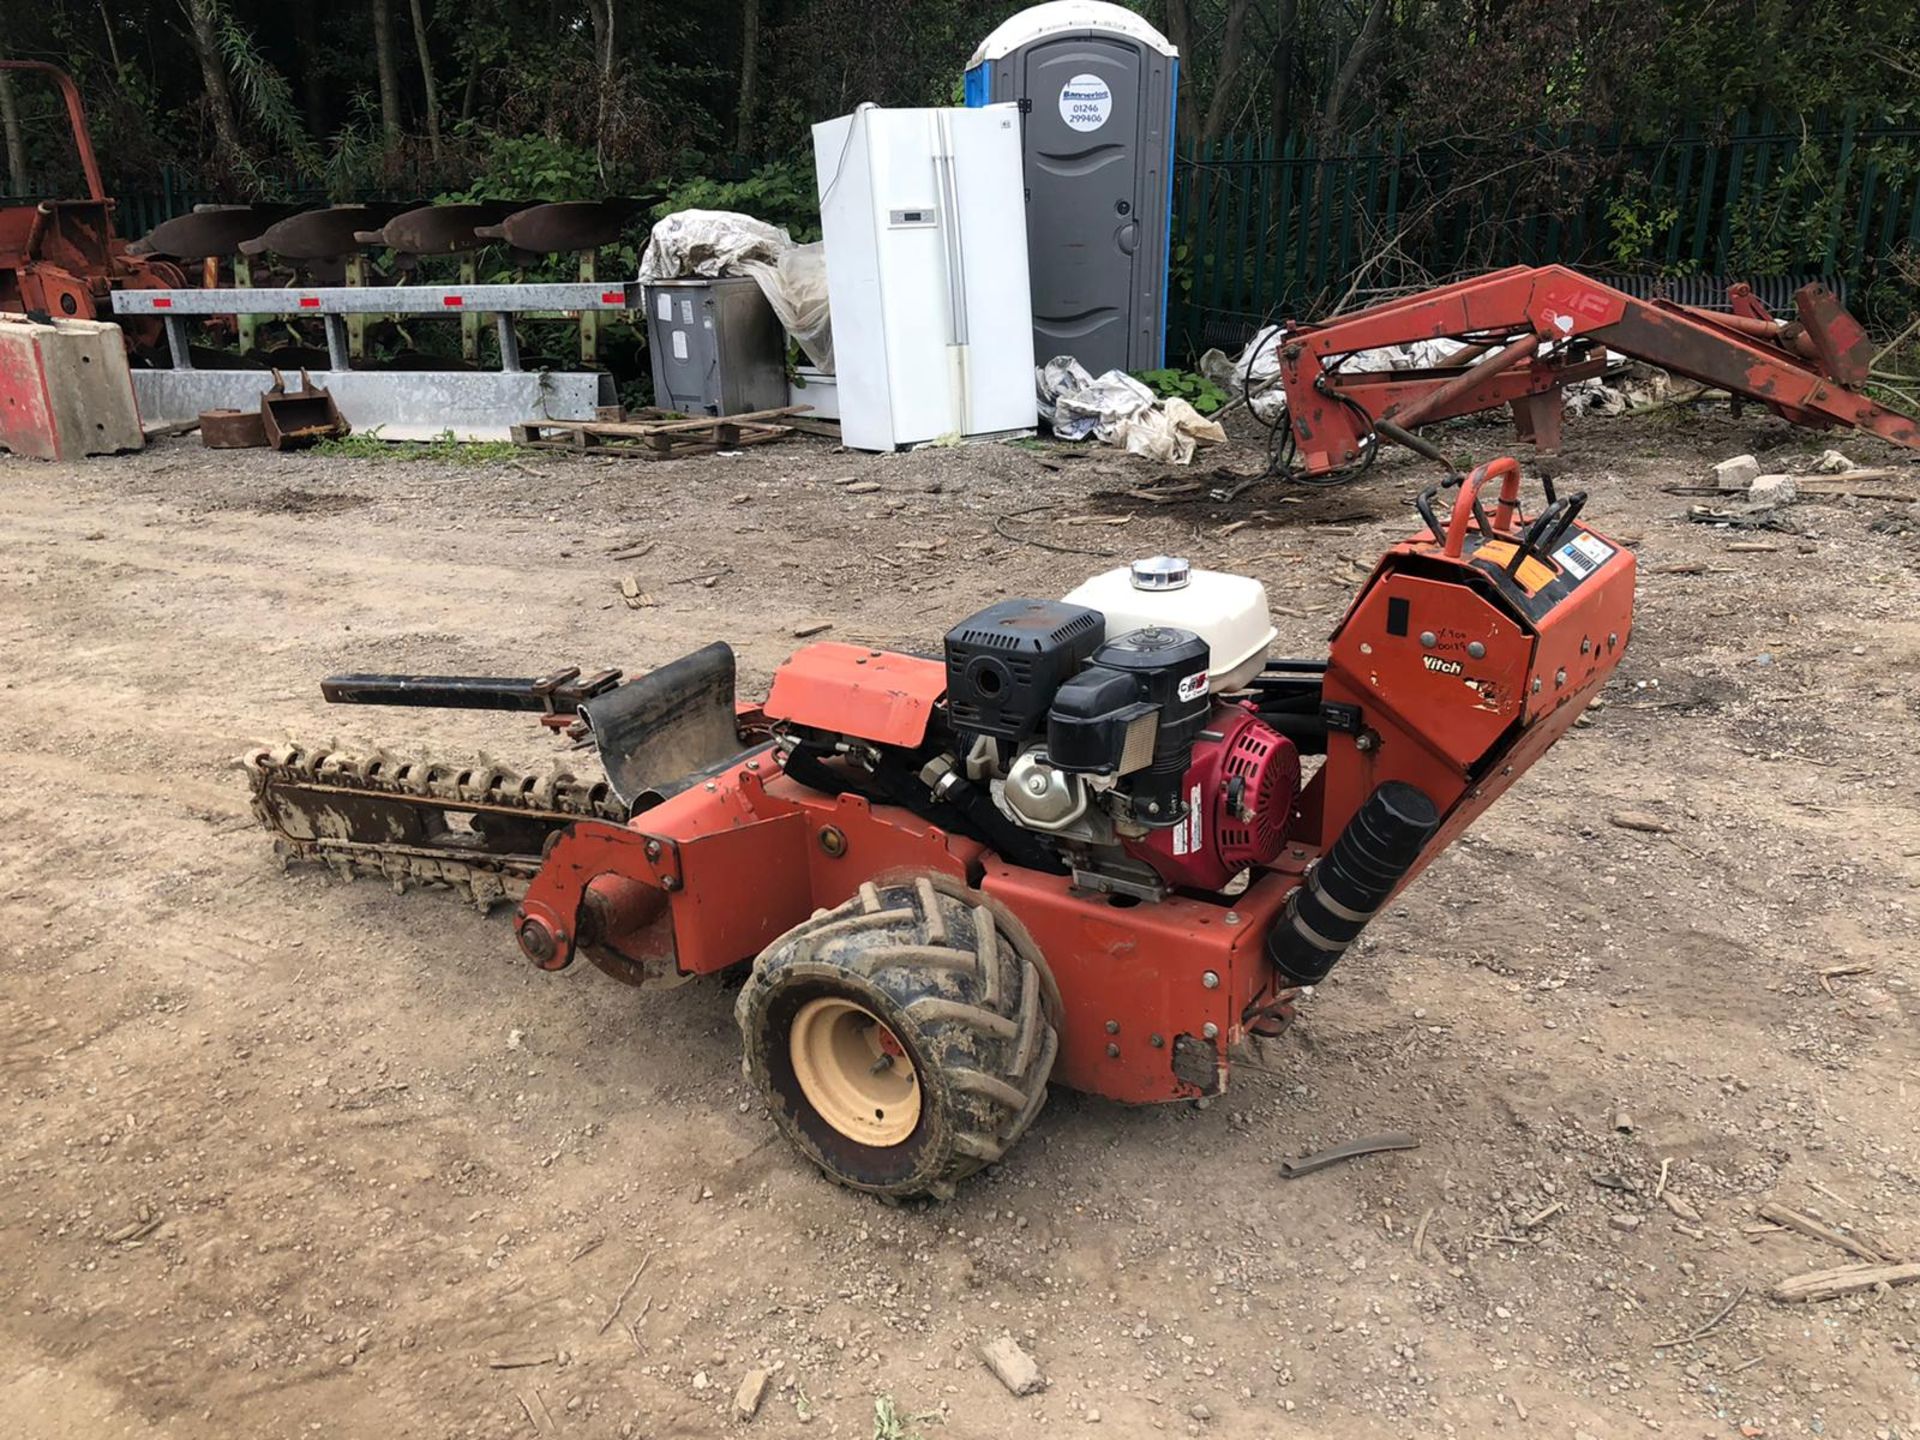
<point x="877" y="695"/>
<point x="1143" y="968"/>
<point x="740" y="861"/>
<point x="1802" y="371"/>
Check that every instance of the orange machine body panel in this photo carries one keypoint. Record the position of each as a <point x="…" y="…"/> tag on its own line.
<point x="878" y="695"/>
<point x="1138" y="980"/>
<point x="1462" y="673"/>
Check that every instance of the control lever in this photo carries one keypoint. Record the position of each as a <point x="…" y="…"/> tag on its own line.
<point x="1546" y="530"/>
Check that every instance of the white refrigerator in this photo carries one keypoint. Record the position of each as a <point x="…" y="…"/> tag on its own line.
<point x="924" y="217"/>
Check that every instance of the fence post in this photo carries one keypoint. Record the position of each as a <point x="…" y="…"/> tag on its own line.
<point x="1703" y="212"/>
<point x="1217" y="222"/>
<point x="1282" y="246"/>
<point x="1869" y="186"/>
<point x="1245" y="299"/>
<point x="1840" y="169"/>
<point x="1264" y="239"/>
<point x="1736" y="166"/>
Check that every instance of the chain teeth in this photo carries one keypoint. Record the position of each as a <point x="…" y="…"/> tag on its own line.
<point x="556" y="794"/>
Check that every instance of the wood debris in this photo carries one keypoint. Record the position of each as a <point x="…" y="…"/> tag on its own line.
<point x="1542" y="1215"/>
<point x="1842" y="1280"/>
<point x="1807" y="1225"/>
<point x="1699" y="1331"/>
<point x="1420" y="1235"/>
<point x="520" y="1362"/>
<point x="1827" y="977"/>
<point x="620" y="1304"/>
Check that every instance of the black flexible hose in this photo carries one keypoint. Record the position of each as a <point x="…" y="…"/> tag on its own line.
<point x="1347" y="887"/>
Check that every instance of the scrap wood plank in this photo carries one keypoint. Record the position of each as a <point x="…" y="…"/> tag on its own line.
<point x="647" y="442"/>
<point x="1808" y="1226"/>
<point x="1842" y="1280"/>
<point x="667" y="423"/>
<point x="808" y="425"/>
<point x="696" y="422"/>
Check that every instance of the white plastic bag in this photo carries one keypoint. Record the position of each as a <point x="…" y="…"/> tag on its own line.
<point x="1118" y="410"/>
<point x="721" y="242"/>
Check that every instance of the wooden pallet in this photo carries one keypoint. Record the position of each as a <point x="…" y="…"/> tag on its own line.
<point x="667" y="437"/>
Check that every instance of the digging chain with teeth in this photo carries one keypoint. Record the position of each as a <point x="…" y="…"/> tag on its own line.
<point x="335" y="801"/>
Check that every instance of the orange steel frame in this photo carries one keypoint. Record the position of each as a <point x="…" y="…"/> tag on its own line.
<point x="714" y="874"/>
<point x="62" y="257"/>
<point x="1809" y="370"/>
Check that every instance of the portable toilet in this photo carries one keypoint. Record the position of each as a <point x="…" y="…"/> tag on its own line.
<point x="1096" y="85"/>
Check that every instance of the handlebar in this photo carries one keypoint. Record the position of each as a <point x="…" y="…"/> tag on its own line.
<point x="76" y="117"/>
<point x="1541" y="535"/>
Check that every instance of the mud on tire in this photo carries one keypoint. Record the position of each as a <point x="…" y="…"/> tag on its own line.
<point x="961" y="992"/>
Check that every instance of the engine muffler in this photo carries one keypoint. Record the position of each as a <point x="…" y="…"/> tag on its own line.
<point x="1351" y="882"/>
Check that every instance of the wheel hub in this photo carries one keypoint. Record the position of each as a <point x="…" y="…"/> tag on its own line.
<point x="854" y="1071"/>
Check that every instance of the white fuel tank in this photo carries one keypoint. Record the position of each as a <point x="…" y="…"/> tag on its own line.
<point x="1229" y="612"/>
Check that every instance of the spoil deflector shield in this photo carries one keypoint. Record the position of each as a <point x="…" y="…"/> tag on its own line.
<point x="670" y="722"/>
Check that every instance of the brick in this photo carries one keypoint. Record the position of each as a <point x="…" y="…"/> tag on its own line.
<point x="1012" y="1366"/>
<point x="1736" y="473"/>
<point x="753" y="1389"/>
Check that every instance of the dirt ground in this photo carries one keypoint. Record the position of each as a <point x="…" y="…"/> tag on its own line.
<point x="284" y="1157"/>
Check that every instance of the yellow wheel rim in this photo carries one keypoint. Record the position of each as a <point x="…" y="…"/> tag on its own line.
<point x="854" y="1071"/>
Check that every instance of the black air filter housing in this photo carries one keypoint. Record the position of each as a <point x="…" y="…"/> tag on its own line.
<point x="1157" y="671"/>
<point x="1004" y="664"/>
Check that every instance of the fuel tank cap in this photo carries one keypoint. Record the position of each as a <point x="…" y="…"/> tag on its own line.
<point x="1161" y="572"/>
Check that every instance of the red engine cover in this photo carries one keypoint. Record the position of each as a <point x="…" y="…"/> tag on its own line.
<point x="1241" y="788"/>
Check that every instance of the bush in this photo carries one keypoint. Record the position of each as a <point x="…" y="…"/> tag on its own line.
<point x="780" y="193"/>
<point x="1196" y="390"/>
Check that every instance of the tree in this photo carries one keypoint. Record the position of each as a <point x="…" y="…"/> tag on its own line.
<point x="388" y="69"/>
<point x="749" y="74"/>
<point x="1280" y="107"/>
<point x="426" y="79"/>
<point x="16" y="141"/>
<point x="602" y="13"/>
<point x="1179" y="22"/>
<point x="1232" y="44"/>
<point x="1358" y="54"/>
<point x="203" y="20"/>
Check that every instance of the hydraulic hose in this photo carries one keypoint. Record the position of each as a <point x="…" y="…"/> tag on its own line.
<point x="1351" y="882"/>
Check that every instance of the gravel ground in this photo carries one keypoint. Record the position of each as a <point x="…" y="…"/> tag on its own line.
<point x="289" y="1157"/>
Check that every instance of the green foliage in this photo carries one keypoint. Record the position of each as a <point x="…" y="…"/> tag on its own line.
<point x="1636" y="224"/>
<point x="780" y="193"/>
<point x="1180" y="269"/>
<point x="266" y="100"/>
<point x="357" y="151"/>
<point x="534" y="167"/>
<point x="1196" y="390"/>
<point x="890" y="1424"/>
<point x="368" y="445"/>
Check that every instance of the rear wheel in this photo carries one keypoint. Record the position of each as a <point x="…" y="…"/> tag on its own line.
<point x="903" y="1040"/>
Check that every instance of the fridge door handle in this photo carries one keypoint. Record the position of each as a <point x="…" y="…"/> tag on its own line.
<point x="950" y="238"/>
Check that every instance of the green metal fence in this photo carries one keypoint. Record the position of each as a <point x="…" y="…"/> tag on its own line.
<point x="1295" y="229"/>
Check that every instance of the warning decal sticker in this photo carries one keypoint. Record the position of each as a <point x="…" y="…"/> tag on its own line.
<point x="1583" y="555"/>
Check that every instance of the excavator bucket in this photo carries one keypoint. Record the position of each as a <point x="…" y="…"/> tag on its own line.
<point x="292" y="419"/>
